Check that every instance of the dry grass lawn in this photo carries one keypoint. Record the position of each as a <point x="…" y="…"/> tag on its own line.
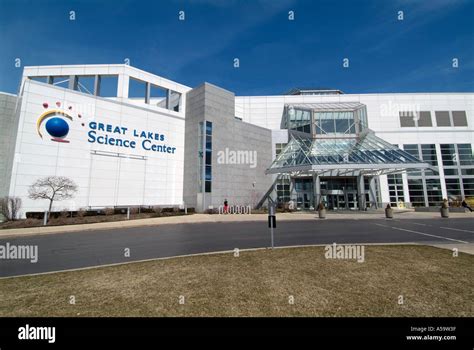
<point x="257" y="283"/>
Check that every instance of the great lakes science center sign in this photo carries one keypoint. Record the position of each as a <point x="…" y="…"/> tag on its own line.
<point x="114" y="135"/>
<point x="56" y="123"/>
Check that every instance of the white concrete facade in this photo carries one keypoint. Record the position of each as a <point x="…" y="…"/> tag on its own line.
<point x="107" y="175"/>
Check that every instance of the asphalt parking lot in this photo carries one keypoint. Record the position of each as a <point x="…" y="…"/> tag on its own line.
<point x="72" y="250"/>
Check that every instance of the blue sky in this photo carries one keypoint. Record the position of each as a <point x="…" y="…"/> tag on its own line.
<point x="385" y="55"/>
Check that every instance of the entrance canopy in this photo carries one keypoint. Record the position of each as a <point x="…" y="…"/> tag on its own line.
<point x="365" y="154"/>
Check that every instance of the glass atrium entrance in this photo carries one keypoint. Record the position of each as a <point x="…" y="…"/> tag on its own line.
<point x="337" y="193"/>
<point x="332" y="157"/>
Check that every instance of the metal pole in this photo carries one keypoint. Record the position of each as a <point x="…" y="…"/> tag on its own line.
<point x="271" y="220"/>
<point x="45" y="218"/>
<point x="128" y="213"/>
<point x="271" y="231"/>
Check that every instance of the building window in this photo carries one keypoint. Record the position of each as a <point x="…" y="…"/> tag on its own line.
<point x="205" y="156"/>
<point x="283" y="189"/>
<point x="278" y="148"/>
<point x="459" y="118"/>
<point x="433" y="190"/>
<point x="395" y="188"/>
<point x="413" y="150"/>
<point x="417" y="196"/>
<point x="469" y="172"/>
<point x="458" y="160"/>
<point x="453" y="189"/>
<point x="442" y="118"/>
<point x="448" y="155"/>
<point x="339" y="122"/>
<point x="208" y="173"/>
<point x="465" y="154"/>
<point x="201" y="157"/>
<point x="425" y="119"/>
<point x="410" y="119"/>
<point x="299" y="120"/>
<point x="450" y="172"/>
<point x="428" y="154"/>
<point x="407" y="119"/>
<point x="468" y="185"/>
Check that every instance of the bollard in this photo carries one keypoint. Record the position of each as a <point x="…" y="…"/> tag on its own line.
<point x="271" y="220"/>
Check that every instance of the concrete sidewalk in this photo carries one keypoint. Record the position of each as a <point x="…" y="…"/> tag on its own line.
<point x="462" y="248"/>
<point x="207" y="218"/>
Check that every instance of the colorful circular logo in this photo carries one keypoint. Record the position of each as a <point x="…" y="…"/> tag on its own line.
<point x="57" y="125"/>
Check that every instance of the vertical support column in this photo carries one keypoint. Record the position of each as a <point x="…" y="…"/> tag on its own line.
<point x="97" y="85"/>
<point x="168" y="99"/>
<point x="122" y="86"/>
<point x="49" y="79"/>
<point x="73" y="79"/>
<point x="292" y="190"/>
<point x="406" y="192"/>
<point x="442" y="181"/>
<point x="361" y="192"/>
<point x="346" y="199"/>
<point x="147" y="93"/>
<point x="316" y="190"/>
<point x="373" y="192"/>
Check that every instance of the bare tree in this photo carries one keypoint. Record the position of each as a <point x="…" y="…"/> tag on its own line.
<point x="10" y="207"/>
<point x="52" y="188"/>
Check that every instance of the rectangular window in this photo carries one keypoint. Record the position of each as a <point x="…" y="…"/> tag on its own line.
<point x="108" y="86"/>
<point x="425" y="119"/>
<point x="469" y="171"/>
<point x="442" y="118"/>
<point x="407" y="119"/>
<point x="468" y="184"/>
<point x="201" y="156"/>
<point x="450" y="172"/>
<point x="299" y="120"/>
<point x="137" y="90"/>
<point x="208" y="173"/>
<point x="433" y="190"/>
<point x="85" y="84"/>
<point x="278" y="148"/>
<point x="413" y="150"/>
<point x="62" y="81"/>
<point x="283" y="189"/>
<point x="428" y="153"/>
<point x="205" y="156"/>
<point x="459" y="118"/>
<point x="448" y="155"/>
<point x="465" y="154"/>
<point x="415" y="189"/>
<point x="395" y="185"/>
<point x="453" y="188"/>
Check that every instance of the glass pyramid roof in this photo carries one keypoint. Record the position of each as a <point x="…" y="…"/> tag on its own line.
<point x="366" y="154"/>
